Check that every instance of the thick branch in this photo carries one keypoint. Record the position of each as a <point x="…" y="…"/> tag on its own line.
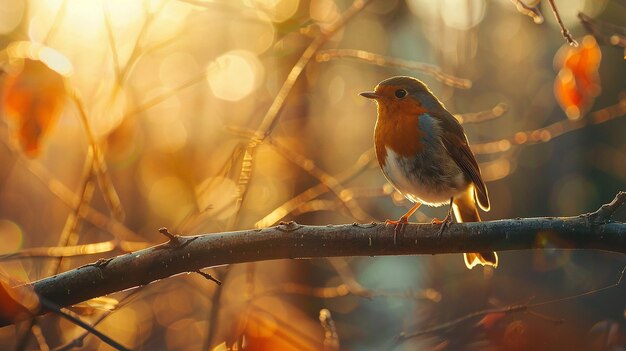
<point x="291" y="240"/>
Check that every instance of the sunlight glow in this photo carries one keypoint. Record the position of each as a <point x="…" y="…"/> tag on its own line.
<point x="235" y="75"/>
<point x="11" y="236"/>
<point x="35" y="51"/>
<point x="11" y="13"/>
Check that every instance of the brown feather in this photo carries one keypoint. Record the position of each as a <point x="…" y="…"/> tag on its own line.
<point x="455" y="142"/>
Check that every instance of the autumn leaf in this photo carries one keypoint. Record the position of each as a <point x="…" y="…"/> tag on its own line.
<point x="491" y="319"/>
<point x="577" y="83"/>
<point x="17" y="302"/>
<point x="34" y="92"/>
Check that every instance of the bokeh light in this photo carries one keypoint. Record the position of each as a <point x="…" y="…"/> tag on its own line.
<point x="234" y="75"/>
<point x="172" y="93"/>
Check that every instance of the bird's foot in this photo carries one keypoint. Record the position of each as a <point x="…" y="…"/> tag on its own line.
<point x="443" y="225"/>
<point x="399" y="227"/>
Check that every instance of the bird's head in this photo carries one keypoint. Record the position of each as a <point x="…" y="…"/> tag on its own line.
<point x="400" y="96"/>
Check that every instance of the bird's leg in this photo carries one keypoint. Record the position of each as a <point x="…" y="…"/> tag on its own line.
<point x="400" y="223"/>
<point x="446" y="221"/>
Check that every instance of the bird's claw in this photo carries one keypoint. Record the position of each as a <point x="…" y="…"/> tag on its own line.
<point x="443" y="225"/>
<point x="399" y="227"/>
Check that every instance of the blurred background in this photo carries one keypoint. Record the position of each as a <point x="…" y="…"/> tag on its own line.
<point x="119" y="117"/>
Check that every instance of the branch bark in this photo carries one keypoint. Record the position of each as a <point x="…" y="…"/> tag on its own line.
<point x="291" y="240"/>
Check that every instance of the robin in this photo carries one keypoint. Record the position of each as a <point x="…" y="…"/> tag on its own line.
<point x="424" y="153"/>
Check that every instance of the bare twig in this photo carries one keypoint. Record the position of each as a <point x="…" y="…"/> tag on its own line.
<point x="106" y="12"/>
<point x="564" y="31"/>
<point x="70" y="199"/>
<point x="309" y="166"/>
<point x="290" y="240"/>
<point x="331" y="338"/>
<point x="41" y="339"/>
<point x="104" y="181"/>
<point x="75" y="320"/>
<point x="605" y="212"/>
<point x="75" y="250"/>
<point x="69" y="235"/>
<point x="387" y="61"/>
<point x="531" y="11"/>
<point x="548" y="133"/>
<point x="207" y="276"/>
<point x="478" y="117"/>
<point x="173" y="239"/>
<point x="79" y="340"/>
<point x="288" y="207"/>
<point x="508" y="309"/>
<point x="606" y="33"/>
<point x="271" y="116"/>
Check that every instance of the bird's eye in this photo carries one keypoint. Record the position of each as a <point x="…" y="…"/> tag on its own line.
<point x="400" y="93"/>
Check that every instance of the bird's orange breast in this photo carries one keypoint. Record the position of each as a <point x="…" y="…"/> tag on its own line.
<point x="397" y="128"/>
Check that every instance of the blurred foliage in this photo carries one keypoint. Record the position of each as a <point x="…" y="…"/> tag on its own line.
<point x="151" y="108"/>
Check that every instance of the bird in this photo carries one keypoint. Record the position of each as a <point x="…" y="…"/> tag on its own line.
<point x="424" y="153"/>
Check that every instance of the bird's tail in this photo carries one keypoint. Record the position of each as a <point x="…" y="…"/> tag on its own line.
<point x="465" y="210"/>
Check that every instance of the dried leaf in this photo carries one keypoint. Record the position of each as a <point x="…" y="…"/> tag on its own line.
<point x="489" y="320"/>
<point x="17" y="302"/>
<point x="34" y="92"/>
<point x="577" y="82"/>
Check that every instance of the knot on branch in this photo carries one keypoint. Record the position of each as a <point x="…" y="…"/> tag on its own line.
<point x="175" y="241"/>
<point x="290" y="226"/>
<point x="606" y="211"/>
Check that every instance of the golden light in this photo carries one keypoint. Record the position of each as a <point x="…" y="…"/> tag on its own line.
<point x="11" y="236"/>
<point x="461" y="14"/>
<point x="170" y="198"/>
<point x="235" y="75"/>
<point x="35" y="51"/>
<point x="278" y="10"/>
<point x="325" y="11"/>
<point x="219" y="194"/>
<point x="11" y="13"/>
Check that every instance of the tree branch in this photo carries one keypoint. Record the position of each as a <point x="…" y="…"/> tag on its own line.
<point x="292" y="240"/>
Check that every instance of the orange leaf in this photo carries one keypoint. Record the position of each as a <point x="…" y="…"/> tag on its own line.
<point x="578" y="82"/>
<point x="34" y="92"/>
<point x="489" y="320"/>
<point x="16" y="303"/>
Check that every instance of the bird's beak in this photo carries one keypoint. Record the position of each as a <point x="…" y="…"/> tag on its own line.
<point x="370" y="95"/>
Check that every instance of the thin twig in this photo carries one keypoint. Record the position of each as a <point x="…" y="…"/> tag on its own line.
<point x="104" y="180"/>
<point x="275" y="216"/>
<point x="531" y="11"/>
<point x="209" y="277"/>
<point x="564" y="31"/>
<point x="173" y="239"/>
<point x="331" y="338"/>
<point x="75" y="250"/>
<point x="41" y="339"/>
<point x="106" y="12"/>
<point x="387" y="61"/>
<point x="79" y="340"/>
<point x="554" y="130"/>
<point x="69" y="236"/>
<point x="75" y="320"/>
<point x="478" y="117"/>
<point x="70" y="199"/>
<point x="272" y="114"/>
<point x="309" y="166"/>
<point x="508" y="309"/>
<point x="214" y="312"/>
<point x="605" y="212"/>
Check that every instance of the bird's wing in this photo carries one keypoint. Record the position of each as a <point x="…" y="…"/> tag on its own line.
<point x="455" y="142"/>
